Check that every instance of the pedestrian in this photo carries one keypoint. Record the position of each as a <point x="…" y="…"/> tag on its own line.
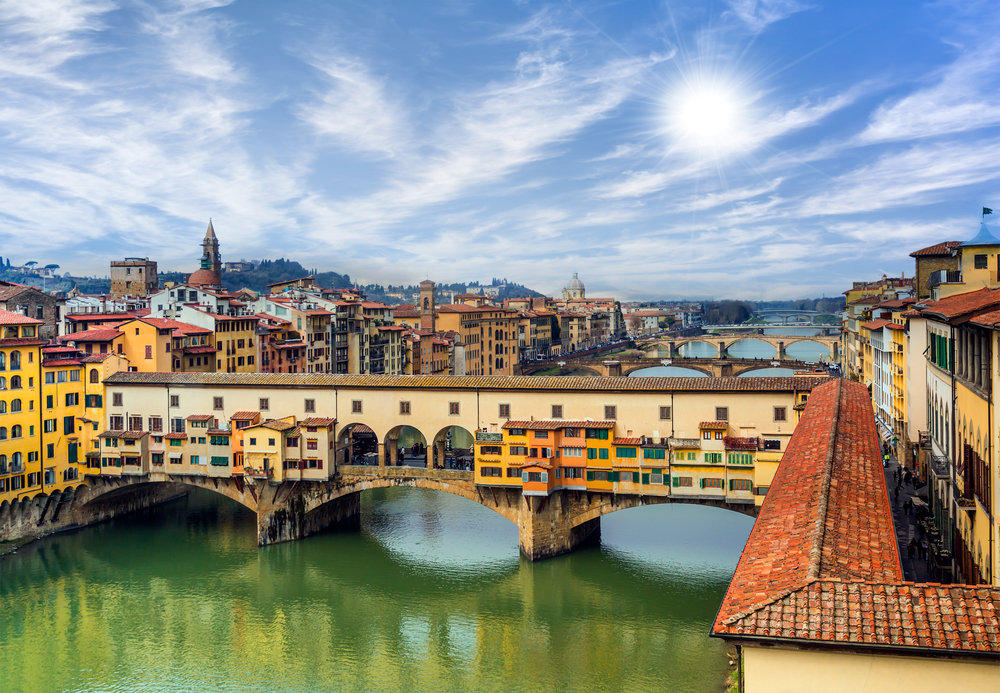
<point x="911" y="548"/>
<point x="896" y="493"/>
<point x="922" y="549"/>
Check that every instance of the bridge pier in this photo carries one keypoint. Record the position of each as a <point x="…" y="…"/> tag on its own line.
<point x="282" y="514"/>
<point x="613" y="369"/>
<point x="722" y="349"/>
<point x="781" y="350"/>
<point x="673" y="349"/>
<point x="546" y="524"/>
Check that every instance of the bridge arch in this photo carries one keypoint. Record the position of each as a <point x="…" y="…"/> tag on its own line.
<point x="105" y="489"/>
<point x="830" y="346"/>
<point x="354" y="441"/>
<point x="610" y="503"/>
<point x="455" y="443"/>
<point x="705" y="339"/>
<point x="755" y="338"/>
<point x="628" y="370"/>
<point x="406" y="445"/>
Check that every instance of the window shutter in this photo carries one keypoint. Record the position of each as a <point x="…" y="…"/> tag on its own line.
<point x="702" y="482"/>
<point x="666" y="480"/>
<point x="635" y="477"/>
<point x="645" y="477"/>
<point x="524" y="477"/>
<point x="615" y="476"/>
<point x="677" y="481"/>
<point x="545" y="477"/>
<point x="590" y="476"/>
<point x="72" y="453"/>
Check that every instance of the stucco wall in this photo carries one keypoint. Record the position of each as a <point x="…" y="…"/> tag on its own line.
<point x="768" y="670"/>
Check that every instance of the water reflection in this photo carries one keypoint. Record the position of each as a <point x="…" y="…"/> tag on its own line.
<point x="667" y="372"/>
<point x="430" y="595"/>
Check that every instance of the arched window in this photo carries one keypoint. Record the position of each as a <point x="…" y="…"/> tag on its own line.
<point x="15" y="406"/>
<point x="15" y="382"/>
<point x="15" y="360"/>
<point x="3" y="462"/>
<point x="3" y="433"/>
<point x="15" y="459"/>
<point x="15" y="432"/>
<point x="3" y="361"/>
<point x="3" y="383"/>
<point x="3" y="407"/>
<point x="94" y="375"/>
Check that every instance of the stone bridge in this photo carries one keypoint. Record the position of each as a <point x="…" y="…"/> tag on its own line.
<point x="723" y="342"/>
<point x="548" y="526"/>
<point x="719" y="368"/>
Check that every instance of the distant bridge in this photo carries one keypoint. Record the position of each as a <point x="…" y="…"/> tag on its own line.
<point x="722" y="342"/>
<point x="719" y="368"/>
<point x="809" y="315"/>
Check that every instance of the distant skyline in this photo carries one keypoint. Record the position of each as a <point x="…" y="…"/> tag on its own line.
<point x="757" y="149"/>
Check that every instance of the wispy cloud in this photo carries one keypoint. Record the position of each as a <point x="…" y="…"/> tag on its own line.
<point x="759" y="13"/>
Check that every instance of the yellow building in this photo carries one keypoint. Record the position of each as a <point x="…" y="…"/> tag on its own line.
<point x="20" y="392"/>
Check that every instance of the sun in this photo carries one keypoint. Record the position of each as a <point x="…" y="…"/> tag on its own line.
<point x="707" y="117"/>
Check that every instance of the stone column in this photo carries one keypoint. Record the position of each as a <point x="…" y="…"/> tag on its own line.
<point x="394" y="452"/>
<point x="439" y="446"/>
<point x="545" y="525"/>
<point x="381" y="455"/>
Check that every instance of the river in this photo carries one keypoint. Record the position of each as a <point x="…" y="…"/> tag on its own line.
<point x="429" y="595"/>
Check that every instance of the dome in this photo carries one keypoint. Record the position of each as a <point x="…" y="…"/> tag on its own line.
<point x="575" y="283"/>
<point x="204" y="277"/>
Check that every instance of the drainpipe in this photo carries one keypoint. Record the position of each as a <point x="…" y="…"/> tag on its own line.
<point x="952" y="510"/>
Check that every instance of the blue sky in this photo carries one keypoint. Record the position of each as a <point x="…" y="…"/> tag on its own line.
<point x="742" y="148"/>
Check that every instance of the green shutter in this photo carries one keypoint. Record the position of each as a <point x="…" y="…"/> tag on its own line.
<point x="590" y="476"/>
<point x="702" y="482"/>
<point x="635" y="477"/>
<point x="645" y="477"/>
<point x="676" y="481"/>
<point x="72" y="453"/>
<point x="604" y="453"/>
<point x="614" y="476"/>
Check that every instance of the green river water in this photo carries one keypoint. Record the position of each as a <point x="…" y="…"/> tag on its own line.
<point x="429" y="595"/>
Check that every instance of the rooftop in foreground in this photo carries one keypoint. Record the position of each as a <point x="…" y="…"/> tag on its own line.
<point x="821" y="566"/>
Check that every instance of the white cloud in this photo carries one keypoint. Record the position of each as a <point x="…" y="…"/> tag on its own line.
<point x="759" y="13"/>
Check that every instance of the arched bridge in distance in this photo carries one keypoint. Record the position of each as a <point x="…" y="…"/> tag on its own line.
<point x="548" y="526"/>
<point x="722" y="342"/>
<point x="612" y="367"/>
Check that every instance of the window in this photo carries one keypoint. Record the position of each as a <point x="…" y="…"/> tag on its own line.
<point x="740" y="485"/>
<point x="253" y="441"/>
<point x="557" y="411"/>
<point x="69" y="425"/>
<point x="535" y="477"/>
<point x="719" y="435"/>
<point x="270" y="441"/>
<point x="116" y="399"/>
<point x="490" y="471"/>
<point x="610" y="412"/>
<point x="713" y="457"/>
<point x="490" y="450"/>
<point x="453" y="408"/>
<point x="15" y="406"/>
<point x="149" y="351"/>
<point x="744" y="458"/>
<point x="404" y="407"/>
<point x="772" y="444"/>
<point x="312" y="445"/>
<point x="117" y="422"/>
<point x="980" y="261"/>
<point x="571" y="433"/>
<point x="518" y="450"/>
<point x="706" y="435"/>
<point x="155" y="424"/>
<point x="263" y="404"/>
<point x="780" y="414"/>
<point x="505" y="411"/>
<point x="310" y="405"/>
<point x="541" y="435"/>
<point x="135" y="423"/>
<point x="177" y="425"/>
<point x="572" y="452"/>
<point x="713" y="483"/>
<point x="217" y="403"/>
<point x="175" y="400"/>
<point x="49" y="426"/>
<point x="597" y="433"/>
<point x="513" y="471"/>
<point x="654" y="453"/>
<point x="517" y="432"/>
<point x="356" y="406"/>
<point x="722" y="413"/>
<point x="49" y="401"/>
<point x="94" y="376"/>
<point x="683" y="481"/>
<point x="72" y="399"/>
<point x="664" y="413"/>
<point x="74" y="376"/>
<point x="15" y="382"/>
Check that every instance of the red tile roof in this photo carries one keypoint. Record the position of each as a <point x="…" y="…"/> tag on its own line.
<point x="822" y="563"/>
<point x="556" y="424"/>
<point x="361" y="428"/>
<point x="95" y="335"/>
<point x="200" y="417"/>
<point x="276" y="425"/>
<point x="9" y="318"/>
<point x="176" y="436"/>
<point x="200" y="349"/>
<point x="936" y="249"/>
<point x="876" y="324"/>
<point x="991" y="319"/>
<point x="627" y="441"/>
<point x="317" y="421"/>
<point x="961" y="304"/>
<point x="732" y="443"/>
<point x="245" y="415"/>
<point x="60" y="362"/>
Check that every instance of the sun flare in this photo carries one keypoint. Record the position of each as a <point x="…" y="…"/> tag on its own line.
<point x="707" y="117"/>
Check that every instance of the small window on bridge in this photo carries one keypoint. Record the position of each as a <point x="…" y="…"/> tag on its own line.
<point x="404" y="407"/>
<point x="780" y="414"/>
<point x="356" y="406"/>
<point x="505" y="411"/>
<point x="453" y="408"/>
<point x="610" y="412"/>
<point x="557" y="411"/>
<point x="722" y="413"/>
<point x="310" y="405"/>
<point x="664" y="413"/>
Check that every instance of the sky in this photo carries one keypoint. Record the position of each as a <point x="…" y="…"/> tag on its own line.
<point x="758" y="149"/>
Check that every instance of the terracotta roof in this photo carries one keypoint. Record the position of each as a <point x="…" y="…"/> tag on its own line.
<point x="200" y="417"/>
<point x="479" y="382"/>
<point x="50" y="363"/>
<point x="317" y="421"/>
<point x="10" y="318"/>
<point x="936" y="249"/>
<point x="911" y="314"/>
<point x="361" y="428"/>
<point x="732" y="443"/>
<point x="134" y="435"/>
<point x="556" y="424"/>
<point x="22" y="341"/>
<point x="59" y="350"/>
<point x="897" y="303"/>
<point x="876" y="324"/>
<point x="991" y="319"/>
<point x="95" y="335"/>
<point x="176" y="436"/>
<point x="961" y="304"/>
<point x="245" y="415"/>
<point x="101" y="317"/>
<point x="864" y="301"/>
<point x="219" y="432"/>
<point x="714" y="425"/>
<point x="276" y="425"/>
<point x="111" y="434"/>
<point x="822" y="563"/>
<point x="200" y="349"/>
<point x="627" y="441"/>
<point x="895" y="326"/>
<point x="95" y="358"/>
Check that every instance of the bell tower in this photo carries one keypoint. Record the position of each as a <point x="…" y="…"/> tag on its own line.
<point x="210" y="258"/>
<point x="428" y="307"/>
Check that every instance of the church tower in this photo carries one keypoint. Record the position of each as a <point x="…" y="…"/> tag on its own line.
<point x="210" y="258"/>
<point x="428" y="308"/>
